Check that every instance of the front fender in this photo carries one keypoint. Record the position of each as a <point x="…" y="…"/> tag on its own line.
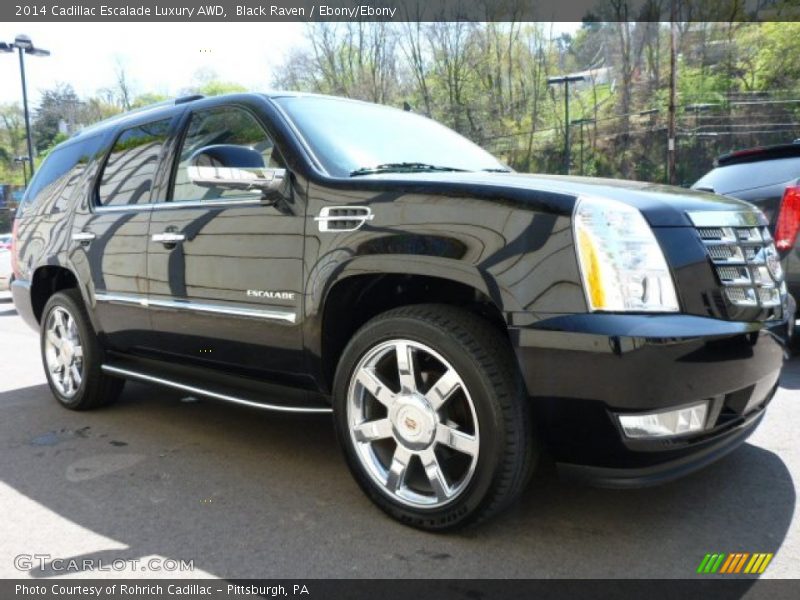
<point x="341" y="265"/>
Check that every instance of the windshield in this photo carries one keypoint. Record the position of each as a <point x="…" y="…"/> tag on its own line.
<point x="357" y="138"/>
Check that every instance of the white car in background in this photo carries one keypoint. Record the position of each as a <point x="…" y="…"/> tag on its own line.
<point x="5" y="272"/>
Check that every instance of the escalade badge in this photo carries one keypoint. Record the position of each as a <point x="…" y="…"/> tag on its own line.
<point x="269" y="295"/>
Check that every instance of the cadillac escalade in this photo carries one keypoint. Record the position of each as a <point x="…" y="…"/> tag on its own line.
<point x="312" y="254"/>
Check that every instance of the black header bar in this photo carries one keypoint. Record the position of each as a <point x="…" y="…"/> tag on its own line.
<point x="396" y="10"/>
<point x="401" y="589"/>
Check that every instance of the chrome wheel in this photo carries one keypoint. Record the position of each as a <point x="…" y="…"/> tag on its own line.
<point x="413" y="424"/>
<point x="63" y="352"/>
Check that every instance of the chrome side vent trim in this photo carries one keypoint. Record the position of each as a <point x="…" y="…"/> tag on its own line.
<point x="343" y="218"/>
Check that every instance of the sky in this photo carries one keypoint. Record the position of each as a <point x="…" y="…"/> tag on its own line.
<point x="158" y="57"/>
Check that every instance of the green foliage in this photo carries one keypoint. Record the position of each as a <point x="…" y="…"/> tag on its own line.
<point x="58" y="105"/>
<point x="60" y="137"/>
<point x="489" y="82"/>
<point x="147" y="99"/>
<point x="776" y="64"/>
<point x="217" y="88"/>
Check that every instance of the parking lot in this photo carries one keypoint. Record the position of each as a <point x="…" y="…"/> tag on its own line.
<point x="244" y="493"/>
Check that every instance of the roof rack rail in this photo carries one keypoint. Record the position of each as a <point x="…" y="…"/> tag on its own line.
<point x="190" y="98"/>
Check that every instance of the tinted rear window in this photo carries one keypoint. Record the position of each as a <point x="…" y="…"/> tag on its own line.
<point x="745" y="176"/>
<point x="54" y="182"/>
<point x="132" y="164"/>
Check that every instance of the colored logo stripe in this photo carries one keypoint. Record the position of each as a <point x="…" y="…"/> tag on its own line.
<point x="735" y="562"/>
<point x="758" y="563"/>
<point x="710" y="563"/>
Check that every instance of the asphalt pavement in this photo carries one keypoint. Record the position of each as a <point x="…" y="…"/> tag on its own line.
<point x="158" y="485"/>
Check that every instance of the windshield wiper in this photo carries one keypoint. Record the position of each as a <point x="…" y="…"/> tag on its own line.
<point x="401" y="167"/>
<point x="496" y="170"/>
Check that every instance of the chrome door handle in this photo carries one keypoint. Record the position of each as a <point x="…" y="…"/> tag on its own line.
<point x="83" y="236"/>
<point x="168" y="237"/>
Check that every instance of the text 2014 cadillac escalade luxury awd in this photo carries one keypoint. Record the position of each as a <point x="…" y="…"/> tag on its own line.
<point x="314" y="254"/>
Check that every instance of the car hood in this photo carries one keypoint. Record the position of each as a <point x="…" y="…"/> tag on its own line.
<point x="661" y="205"/>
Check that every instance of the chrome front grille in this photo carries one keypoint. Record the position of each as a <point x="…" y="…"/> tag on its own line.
<point x="745" y="260"/>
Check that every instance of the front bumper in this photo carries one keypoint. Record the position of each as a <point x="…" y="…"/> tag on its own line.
<point x="703" y="453"/>
<point x="582" y="370"/>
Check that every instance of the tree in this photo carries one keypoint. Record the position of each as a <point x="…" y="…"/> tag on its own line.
<point x="12" y="129"/>
<point x="357" y="60"/>
<point x="147" y="99"/>
<point x="58" y="105"/>
<point x="414" y="46"/>
<point x="208" y="83"/>
<point x="124" y="89"/>
<point x="776" y="65"/>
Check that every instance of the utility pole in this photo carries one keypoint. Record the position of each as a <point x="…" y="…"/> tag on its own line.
<point x="581" y="123"/>
<point x="673" y="76"/>
<point x="566" y="80"/>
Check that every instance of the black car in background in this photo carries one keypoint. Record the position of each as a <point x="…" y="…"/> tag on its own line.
<point x="768" y="177"/>
<point x="303" y="253"/>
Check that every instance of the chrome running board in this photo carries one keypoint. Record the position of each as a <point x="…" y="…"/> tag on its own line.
<point x="128" y="374"/>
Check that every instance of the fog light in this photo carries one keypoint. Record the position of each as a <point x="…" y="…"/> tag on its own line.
<point x="679" y="421"/>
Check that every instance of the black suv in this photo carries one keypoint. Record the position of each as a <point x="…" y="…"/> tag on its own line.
<point x="768" y="177"/>
<point x="313" y="254"/>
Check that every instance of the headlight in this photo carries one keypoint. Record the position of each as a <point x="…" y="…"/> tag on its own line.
<point x="622" y="265"/>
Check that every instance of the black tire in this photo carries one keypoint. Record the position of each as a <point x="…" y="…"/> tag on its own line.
<point x="484" y="360"/>
<point x="96" y="387"/>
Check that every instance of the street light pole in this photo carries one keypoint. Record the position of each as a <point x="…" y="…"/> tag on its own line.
<point x="566" y="80"/>
<point x="25" y="107"/>
<point x="24" y="45"/>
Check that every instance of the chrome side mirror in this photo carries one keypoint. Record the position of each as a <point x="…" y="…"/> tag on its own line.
<point x="231" y="167"/>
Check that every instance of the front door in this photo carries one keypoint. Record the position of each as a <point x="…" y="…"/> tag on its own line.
<point x="224" y="266"/>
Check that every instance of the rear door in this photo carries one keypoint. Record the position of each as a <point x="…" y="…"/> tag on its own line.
<point x="225" y="268"/>
<point x="110" y="234"/>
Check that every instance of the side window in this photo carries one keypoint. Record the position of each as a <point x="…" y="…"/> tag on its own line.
<point x="132" y="164"/>
<point x="55" y="181"/>
<point x="226" y="127"/>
